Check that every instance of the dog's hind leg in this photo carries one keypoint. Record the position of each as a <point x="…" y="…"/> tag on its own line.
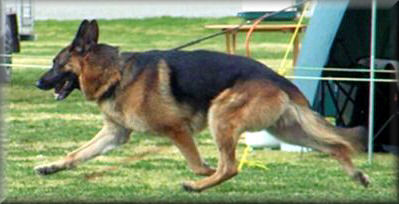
<point x="185" y="143"/>
<point x="246" y="106"/>
<point x="344" y="159"/>
<point x="109" y="137"/>
<point x="301" y="126"/>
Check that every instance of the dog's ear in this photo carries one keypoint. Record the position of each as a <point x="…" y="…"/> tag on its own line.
<point x="77" y="43"/>
<point x="86" y="37"/>
<point x="94" y="31"/>
<point x="84" y="25"/>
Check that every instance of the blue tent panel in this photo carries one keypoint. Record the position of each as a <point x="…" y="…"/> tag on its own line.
<point x="317" y="42"/>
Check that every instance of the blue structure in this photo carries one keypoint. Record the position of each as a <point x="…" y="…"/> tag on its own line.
<point x="317" y="43"/>
<point x="338" y="36"/>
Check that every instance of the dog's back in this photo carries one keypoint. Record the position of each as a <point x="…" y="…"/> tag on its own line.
<point x="199" y="76"/>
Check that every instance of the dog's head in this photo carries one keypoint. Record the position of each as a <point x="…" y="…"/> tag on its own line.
<point x="70" y="62"/>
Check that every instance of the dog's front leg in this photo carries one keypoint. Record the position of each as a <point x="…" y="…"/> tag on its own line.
<point x="109" y="137"/>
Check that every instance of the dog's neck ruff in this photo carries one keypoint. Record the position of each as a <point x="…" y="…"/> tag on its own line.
<point x="110" y="92"/>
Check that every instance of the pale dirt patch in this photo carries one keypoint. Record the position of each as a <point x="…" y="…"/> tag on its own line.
<point x="40" y="145"/>
<point x="30" y="66"/>
<point x="27" y="106"/>
<point x="119" y="44"/>
<point x="32" y="61"/>
<point x="46" y="43"/>
<point x="32" y="117"/>
<point x="39" y="158"/>
<point x="38" y="181"/>
<point x="165" y="32"/>
<point x="259" y="47"/>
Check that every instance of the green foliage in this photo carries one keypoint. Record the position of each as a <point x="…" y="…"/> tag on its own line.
<point x="149" y="168"/>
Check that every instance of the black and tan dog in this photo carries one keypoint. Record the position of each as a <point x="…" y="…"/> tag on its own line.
<point x="179" y="93"/>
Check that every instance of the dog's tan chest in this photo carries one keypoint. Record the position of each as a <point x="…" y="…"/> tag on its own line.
<point x="137" y="123"/>
<point x="131" y="119"/>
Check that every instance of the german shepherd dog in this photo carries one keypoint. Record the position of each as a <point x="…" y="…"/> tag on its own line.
<point x="178" y="93"/>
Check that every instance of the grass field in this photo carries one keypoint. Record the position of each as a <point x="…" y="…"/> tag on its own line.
<point x="148" y="168"/>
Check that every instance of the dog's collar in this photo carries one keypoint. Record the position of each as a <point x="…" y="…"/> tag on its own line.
<point x="109" y="93"/>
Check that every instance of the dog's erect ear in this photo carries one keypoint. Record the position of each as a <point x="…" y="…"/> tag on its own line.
<point x="77" y="43"/>
<point x="84" y="25"/>
<point x="86" y="37"/>
<point x="94" y="31"/>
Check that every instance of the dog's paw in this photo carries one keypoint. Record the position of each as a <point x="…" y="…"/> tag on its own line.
<point x="189" y="187"/>
<point x="205" y="172"/>
<point x="46" y="169"/>
<point x="362" y="178"/>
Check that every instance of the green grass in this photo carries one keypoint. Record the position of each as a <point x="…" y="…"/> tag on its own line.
<point x="149" y="168"/>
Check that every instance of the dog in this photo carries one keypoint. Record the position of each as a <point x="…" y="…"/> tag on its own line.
<point x="179" y="93"/>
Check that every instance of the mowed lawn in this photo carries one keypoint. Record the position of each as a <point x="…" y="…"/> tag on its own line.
<point x="149" y="168"/>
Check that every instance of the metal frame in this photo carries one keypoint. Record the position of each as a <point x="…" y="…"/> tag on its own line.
<point x="341" y="92"/>
<point x="372" y="76"/>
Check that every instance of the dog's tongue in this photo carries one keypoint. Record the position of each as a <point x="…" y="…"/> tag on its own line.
<point x="65" y="90"/>
<point x="59" y="96"/>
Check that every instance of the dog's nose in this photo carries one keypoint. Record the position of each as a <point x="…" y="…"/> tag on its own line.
<point x="40" y="84"/>
<point x="44" y="84"/>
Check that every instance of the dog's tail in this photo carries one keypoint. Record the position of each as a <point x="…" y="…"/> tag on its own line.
<point x="322" y="135"/>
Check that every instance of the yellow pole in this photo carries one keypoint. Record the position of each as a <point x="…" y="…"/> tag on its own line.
<point x="244" y="156"/>
<point x="282" y="70"/>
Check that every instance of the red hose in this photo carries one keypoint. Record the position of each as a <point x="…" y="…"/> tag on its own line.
<point x="249" y="36"/>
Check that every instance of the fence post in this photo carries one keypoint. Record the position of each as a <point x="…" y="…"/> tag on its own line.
<point x="2" y="80"/>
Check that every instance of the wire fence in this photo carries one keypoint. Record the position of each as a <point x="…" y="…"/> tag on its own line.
<point x="297" y="77"/>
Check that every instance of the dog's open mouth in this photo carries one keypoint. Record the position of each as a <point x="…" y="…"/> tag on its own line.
<point x="66" y="86"/>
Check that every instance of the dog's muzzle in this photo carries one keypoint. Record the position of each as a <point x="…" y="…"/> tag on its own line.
<point x="63" y="83"/>
<point x="42" y="85"/>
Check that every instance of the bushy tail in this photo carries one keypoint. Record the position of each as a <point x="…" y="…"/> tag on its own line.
<point x="324" y="135"/>
<point x="300" y="125"/>
<point x="356" y="135"/>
